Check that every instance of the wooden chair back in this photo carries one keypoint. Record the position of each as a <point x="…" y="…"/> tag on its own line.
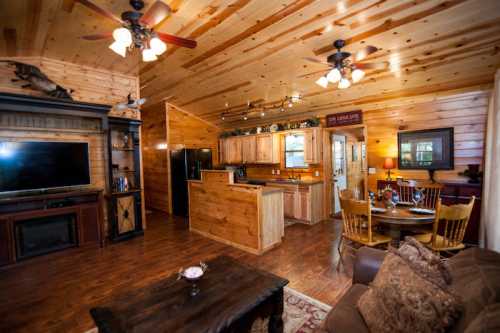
<point x="431" y="192"/>
<point x="346" y="194"/>
<point x="356" y="216"/>
<point x="454" y="220"/>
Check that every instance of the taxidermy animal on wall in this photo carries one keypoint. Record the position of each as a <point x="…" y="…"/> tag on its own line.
<point x="37" y="80"/>
<point x="131" y="103"/>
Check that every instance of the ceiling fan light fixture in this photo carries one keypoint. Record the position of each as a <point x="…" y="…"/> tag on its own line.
<point x="119" y="48"/>
<point x="334" y="75"/>
<point x="148" y="55"/>
<point x="157" y="45"/>
<point x="357" y="75"/>
<point x="322" y="82"/>
<point x="344" y="83"/>
<point x="123" y="36"/>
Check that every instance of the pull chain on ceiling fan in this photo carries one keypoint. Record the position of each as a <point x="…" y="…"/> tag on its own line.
<point x="137" y="30"/>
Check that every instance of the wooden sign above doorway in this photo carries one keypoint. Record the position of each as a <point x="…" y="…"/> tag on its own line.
<point x="344" y="118"/>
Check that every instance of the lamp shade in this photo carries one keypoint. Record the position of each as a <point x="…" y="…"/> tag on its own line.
<point x="388" y="163"/>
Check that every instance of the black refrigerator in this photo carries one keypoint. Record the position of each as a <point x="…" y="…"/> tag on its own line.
<point x="186" y="164"/>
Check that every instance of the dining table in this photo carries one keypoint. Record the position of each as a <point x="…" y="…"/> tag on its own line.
<point x="401" y="221"/>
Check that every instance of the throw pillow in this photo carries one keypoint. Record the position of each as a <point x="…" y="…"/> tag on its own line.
<point x="410" y="294"/>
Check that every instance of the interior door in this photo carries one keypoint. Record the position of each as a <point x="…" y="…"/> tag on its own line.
<point x="339" y="169"/>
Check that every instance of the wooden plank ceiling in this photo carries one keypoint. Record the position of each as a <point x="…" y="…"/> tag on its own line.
<point x="253" y="50"/>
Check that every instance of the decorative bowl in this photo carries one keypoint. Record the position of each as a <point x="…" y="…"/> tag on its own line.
<point x="192" y="275"/>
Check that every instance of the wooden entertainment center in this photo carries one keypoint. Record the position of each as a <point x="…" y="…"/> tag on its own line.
<point x="37" y="222"/>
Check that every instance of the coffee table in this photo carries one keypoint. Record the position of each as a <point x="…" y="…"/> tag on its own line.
<point x="232" y="296"/>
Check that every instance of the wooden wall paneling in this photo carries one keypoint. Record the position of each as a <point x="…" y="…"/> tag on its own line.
<point x="155" y="157"/>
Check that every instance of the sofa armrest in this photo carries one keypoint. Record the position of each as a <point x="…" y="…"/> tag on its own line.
<point x="366" y="264"/>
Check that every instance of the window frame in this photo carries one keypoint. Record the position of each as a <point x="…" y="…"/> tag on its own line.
<point x="285" y="151"/>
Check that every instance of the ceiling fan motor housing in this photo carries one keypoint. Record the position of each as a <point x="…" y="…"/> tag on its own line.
<point x="137" y="4"/>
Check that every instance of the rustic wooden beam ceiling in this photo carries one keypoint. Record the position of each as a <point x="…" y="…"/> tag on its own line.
<point x="253" y="50"/>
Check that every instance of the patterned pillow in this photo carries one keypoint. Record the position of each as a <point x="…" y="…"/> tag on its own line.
<point x="410" y="293"/>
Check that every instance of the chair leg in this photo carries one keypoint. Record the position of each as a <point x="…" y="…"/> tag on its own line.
<point x="340" y="249"/>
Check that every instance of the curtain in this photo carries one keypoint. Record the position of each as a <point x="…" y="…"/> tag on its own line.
<point x="490" y="213"/>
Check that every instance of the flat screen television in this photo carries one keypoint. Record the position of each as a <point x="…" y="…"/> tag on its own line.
<point x="28" y="166"/>
<point x="426" y="149"/>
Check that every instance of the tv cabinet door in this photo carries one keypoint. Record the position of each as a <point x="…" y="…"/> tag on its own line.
<point x="6" y="246"/>
<point x="89" y="216"/>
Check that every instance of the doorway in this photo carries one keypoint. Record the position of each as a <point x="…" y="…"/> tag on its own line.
<point x="339" y="168"/>
<point x="345" y="165"/>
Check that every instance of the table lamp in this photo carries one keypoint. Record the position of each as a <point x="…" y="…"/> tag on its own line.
<point x="388" y="165"/>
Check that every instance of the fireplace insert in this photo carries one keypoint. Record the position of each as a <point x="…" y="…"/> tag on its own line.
<point x="45" y="234"/>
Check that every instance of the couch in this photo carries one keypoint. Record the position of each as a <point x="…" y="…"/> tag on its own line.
<point x="476" y="278"/>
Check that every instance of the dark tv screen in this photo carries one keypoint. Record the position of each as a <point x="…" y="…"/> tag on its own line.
<point x="43" y="165"/>
<point x="426" y="149"/>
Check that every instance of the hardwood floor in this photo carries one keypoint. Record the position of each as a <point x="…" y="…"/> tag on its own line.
<point x="54" y="293"/>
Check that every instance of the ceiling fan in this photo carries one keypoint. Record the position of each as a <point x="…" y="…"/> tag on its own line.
<point x="131" y="103"/>
<point x="137" y="30"/>
<point x="343" y="65"/>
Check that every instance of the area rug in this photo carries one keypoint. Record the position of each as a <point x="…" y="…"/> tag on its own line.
<point x="302" y="314"/>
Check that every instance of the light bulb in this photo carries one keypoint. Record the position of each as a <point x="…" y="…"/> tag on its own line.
<point x="119" y="48"/>
<point x="223" y="118"/>
<point x="123" y="36"/>
<point x="322" y="82"/>
<point x="344" y="83"/>
<point x="245" y="117"/>
<point x="282" y="109"/>
<point x="357" y="75"/>
<point x="148" y="55"/>
<point x="262" y="114"/>
<point x="157" y="45"/>
<point x="334" y="75"/>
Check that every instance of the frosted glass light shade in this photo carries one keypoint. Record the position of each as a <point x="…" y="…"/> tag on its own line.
<point x="119" y="48"/>
<point x="334" y="75"/>
<point x="344" y="83"/>
<point x="357" y="75"/>
<point x="148" y="55"/>
<point x="157" y="45"/>
<point x="123" y="36"/>
<point x="322" y="82"/>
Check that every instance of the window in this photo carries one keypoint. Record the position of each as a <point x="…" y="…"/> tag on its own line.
<point x="294" y="151"/>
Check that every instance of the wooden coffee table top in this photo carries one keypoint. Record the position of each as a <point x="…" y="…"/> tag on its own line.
<point x="229" y="290"/>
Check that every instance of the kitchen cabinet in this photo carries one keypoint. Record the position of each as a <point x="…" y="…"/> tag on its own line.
<point x="312" y="146"/>
<point x="267" y="148"/>
<point x="232" y="150"/>
<point x="249" y="149"/>
<point x="302" y="201"/>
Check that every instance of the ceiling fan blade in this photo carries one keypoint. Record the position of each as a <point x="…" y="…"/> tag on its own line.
<point x="179" y="41"/>
<point x="365" y="52"/>
<point x="105" y="35"/>
<point x="156" y="13"/>
<point x="318" y="61"/>
<point x="100" y="10"/>
<point x="374" y="65"/>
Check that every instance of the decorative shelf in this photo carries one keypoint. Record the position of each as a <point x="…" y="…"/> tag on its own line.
<point x="122" y="149"/>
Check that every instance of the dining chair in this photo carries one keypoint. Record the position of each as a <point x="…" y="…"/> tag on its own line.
<point x="449" y="227"/>
<point x="357" y="226"/>
<point x="431" y="192"/>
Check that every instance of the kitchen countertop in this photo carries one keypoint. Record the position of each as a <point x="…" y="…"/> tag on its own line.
<point x="284" y="181"/>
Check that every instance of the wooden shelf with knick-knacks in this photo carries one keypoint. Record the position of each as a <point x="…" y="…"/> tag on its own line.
<point x="125" y="208"/>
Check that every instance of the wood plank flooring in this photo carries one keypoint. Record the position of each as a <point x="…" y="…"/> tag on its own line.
<point x="54" y="293"/>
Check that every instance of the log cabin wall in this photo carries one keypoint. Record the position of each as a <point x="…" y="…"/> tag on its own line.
<point x="89" y="85"/>
<point x="466" y="113"/>
<point x="167" y="128"/>
<point x="155" y="157"/>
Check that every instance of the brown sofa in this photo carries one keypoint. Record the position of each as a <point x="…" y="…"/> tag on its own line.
<point x="476" y="277"/>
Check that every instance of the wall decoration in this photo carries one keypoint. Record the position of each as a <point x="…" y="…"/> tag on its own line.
<point x="312" y="122"/>
<point x="344" y="118"/>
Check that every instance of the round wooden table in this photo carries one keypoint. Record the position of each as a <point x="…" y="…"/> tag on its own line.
<point x="400" y="220"/>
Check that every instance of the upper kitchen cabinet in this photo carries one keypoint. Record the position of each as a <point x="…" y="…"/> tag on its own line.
<point x="231" y="150"/>
<point x="268" y="148"/>
<point x="312" y="146"/>
<point x="249" y="149"/>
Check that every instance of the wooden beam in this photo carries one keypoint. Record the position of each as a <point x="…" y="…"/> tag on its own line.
<point x="68" y="5"/>
<point x="358" y="12"/>
<point x="33" y="10"/>
<point x="392" y="24"/>
<point x="10" y="37"/>
<point x="261" y="25"/>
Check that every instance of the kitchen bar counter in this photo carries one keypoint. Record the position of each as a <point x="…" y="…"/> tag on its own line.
<point x="249" y="217"/>
<point x="284" y="181"/>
